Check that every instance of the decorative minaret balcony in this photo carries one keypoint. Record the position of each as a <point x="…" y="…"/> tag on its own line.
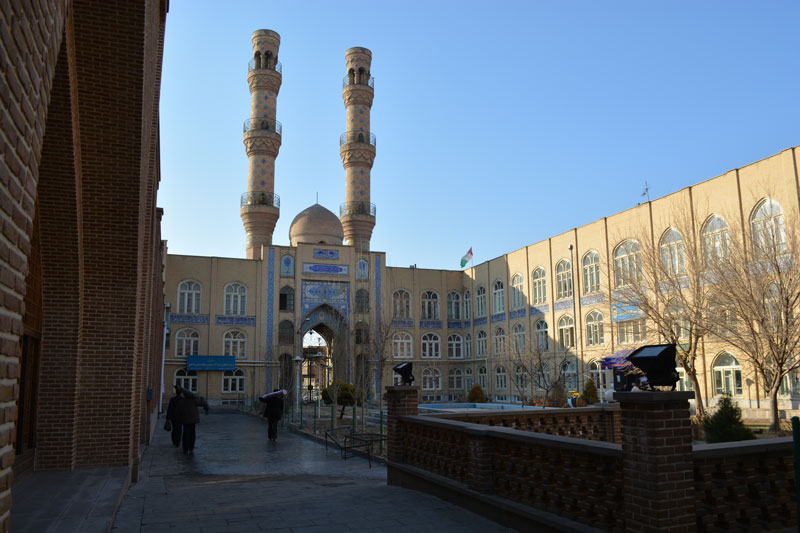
<point x="357" y="148"/>
<point x="262" y="136"/>
<point x="260" y="199"/>
<point x="357" y="91"/>
<point x="276" y="67"/>
<point x="365" y="209"/>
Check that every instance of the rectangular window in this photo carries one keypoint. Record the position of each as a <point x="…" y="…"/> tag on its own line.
<point x="631" y="331"/>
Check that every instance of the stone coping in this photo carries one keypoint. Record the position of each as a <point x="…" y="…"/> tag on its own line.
<point x="561" y="411"/>
<point x="594" y="447"/>
<point x="653" y="397"/>
<point x="742" y="447"/>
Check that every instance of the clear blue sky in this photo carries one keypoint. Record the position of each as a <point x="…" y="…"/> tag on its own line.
<point x="498" y="124"/>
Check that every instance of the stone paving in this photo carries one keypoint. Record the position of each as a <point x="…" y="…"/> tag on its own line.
<point x="238" y="481"/>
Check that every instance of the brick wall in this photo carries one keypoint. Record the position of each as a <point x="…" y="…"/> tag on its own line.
<point x="79" y="124"/>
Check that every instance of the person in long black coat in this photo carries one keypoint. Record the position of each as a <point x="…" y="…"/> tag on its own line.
<point x="172" y="416"/>
<point x="273" y="412"/>
<point x="189" y="417"/>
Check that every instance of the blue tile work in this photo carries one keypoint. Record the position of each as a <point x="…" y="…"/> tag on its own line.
<point x="453" y="324"/>
<point x="287" y="266"/>
<point x="430" y="324"/>
<point x="518" y="313"/>
<point x="592" y="299"/>
<point x="320" y="253"/>
<point x="222" y="320"/>
<point x="188" y="319"/>
<point x="270" y="283"/>
<point x="402" y="323"/>
<point x="541" y="309"/>
<point x="466" y="324"/>
<point x="480" y="321"/>
<point x="498" y="317"/>
<point x="315" y="268"/>
<point x="362" y="269"/>
<point x="334" y="293"/>
<point x="378" y="321"/>
<point x="624" y="311"/>
<point x="563" y="305"/>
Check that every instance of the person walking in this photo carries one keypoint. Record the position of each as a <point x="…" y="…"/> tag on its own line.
<point x="172" y="416"/>
<point x="273" y="412"/>
<point x="189" y="417"/>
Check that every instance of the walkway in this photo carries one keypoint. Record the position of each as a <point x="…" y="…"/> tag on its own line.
<point x="238" y="481"/>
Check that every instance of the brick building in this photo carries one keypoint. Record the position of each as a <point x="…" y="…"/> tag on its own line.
<point x="81" y="324"/>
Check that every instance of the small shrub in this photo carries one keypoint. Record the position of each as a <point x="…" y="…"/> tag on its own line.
<point x="558" y="395"/>
<point x="476" y="394"/>
<point x="590" y="392"/>
<point x="726" y="425"/>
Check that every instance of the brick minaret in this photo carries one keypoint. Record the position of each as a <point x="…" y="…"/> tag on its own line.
<point x="357" y="148"/>
<point x="260" y="206"/>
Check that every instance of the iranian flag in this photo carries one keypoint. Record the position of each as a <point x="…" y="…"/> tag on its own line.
<point x="467" y="258"/>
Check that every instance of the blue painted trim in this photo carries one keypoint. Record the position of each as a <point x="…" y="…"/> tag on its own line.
<point x="562" y="305"/>
<point x="518" y="313"/>
<point x="402" y="323"/>
<point x="224" y="320"/>
<point x="430" y="324"/>
<point x="454" y="324"/>
<point x="188" y="319"/>
<point x="498" y="317"/>
<point x="592" y="299"/>
<point x="541" y="309"/>
<point x="480" y="321"/>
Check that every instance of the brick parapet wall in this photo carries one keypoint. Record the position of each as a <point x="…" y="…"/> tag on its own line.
<point x="400" y="401"/>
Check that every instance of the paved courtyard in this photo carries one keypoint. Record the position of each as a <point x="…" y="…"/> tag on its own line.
<point x="238" y="481"/>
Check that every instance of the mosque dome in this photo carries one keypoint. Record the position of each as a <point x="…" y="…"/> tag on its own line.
<point x="316" y="225"/>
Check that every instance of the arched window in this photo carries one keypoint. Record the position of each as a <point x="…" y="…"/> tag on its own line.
<point x="627" y="263"/>
<point x="257" y="60"/>
<point x="563" y="279"/>
<point x="539" y="286"/>
<point x="566" y="332"/>
<point x="286" y="333"/>
<point x="591" y="272"/>
<point x="233" y="381"/>
<point x="189" y="294"/>
<point x="361" y="76"/>
<point x="431" y="379"/>
<point x="594" y="329"/>
<point x="267" y="59"/>
<point x="467" y="346"/>
<point x="498" y="297"/>
<point x="467" y="308"/>
<point x="455" y="379"/>
<point x="766" y="226"/>
<point x="187" y="342"/>
<point x="234" y="343"/>
<point x="482" y="381"/>
<point x="402" y="345"/>
<point x="430" y="305"/>
<point x="519" y="339"/>
<point x="235" y="299"/>
<point x="521" y="376"/>
<point x="469" y="380"/>
<point x="542" y="338"/>
<point x="454" y="347"/>
<point x="603" y="379"/>
<point x="499" y="340"/>
<point x="500" y="378"/>
<point x="517" y="295"/>
<point x="480" y="302"/>
<point x="570" y="373"/>
<point x="454" y="306"/>
<point x="186" y="379"/>
<point x="672" y="259"/>
<point x="430" y="346"/>
<point x="362" y="301"/>
<point x="679" y="321"/>
<point x="351" y="77"/>
<point x="361" y="334"/>
<point x="716" y="240"/>
<point x="727" y="375"/>
<point x="401" y="304"/>
<point x="286" y="299"/>
<point x="480" y="344"/>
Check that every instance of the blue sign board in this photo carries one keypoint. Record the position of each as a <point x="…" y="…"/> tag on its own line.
<point x="623" y="311"/>
<point x="315" y="268"/>
<point x="325" y="254"/>
<point x="211" y="362"/>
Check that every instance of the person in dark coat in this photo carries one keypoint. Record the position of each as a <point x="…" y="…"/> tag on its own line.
<point x="189" y="417"/>
<point x="273" y="412"/>
<point x="172" y="416"/>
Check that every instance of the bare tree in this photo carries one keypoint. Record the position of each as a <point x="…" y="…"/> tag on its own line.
<point x="545" y="367"/>
<point x="664" y="280"/>
<point x="756" y="291"/>
<point x="372" y="351"/>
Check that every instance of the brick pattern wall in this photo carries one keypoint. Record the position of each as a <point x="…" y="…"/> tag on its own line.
<point x="440" y="450"/>
<point x="593" y="423"/>
<point x="400" y="401"/>
<point x="745" y="486"/>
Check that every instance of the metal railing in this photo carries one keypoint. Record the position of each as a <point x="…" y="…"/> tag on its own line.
<point x="347" y="81"/>
<point x="277" y="67"/>
<point x="363" y="137"/>
<point x="263" y="124"/>
<point x="260" y="198"/>
<point x="357" y="208"/>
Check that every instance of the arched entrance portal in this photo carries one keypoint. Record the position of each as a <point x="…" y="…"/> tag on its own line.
<point x="332" y="326"/>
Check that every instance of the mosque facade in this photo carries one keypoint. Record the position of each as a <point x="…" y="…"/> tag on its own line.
<point x="236" y="325"/>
